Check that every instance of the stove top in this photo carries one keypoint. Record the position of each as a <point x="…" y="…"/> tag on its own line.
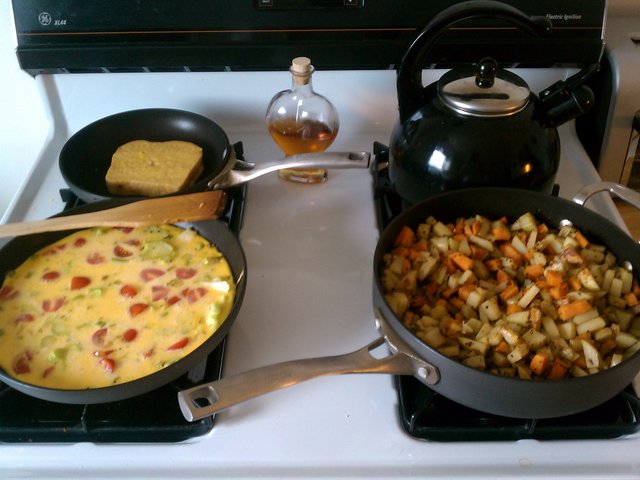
<point x="154" y="417"/>
<point x="427" y="415"/>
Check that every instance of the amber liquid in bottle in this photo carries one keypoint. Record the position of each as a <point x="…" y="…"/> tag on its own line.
<point x="308" y="136"/>
<point x="302" y="121"/>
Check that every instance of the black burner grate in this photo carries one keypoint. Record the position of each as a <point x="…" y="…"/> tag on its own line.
<point x="427" y="415"/>
<point x="152" y="417"/>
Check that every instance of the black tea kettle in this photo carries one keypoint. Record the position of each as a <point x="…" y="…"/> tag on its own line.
<point x="478" y="125"/>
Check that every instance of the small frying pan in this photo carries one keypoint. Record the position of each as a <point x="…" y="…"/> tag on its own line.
<point x="86" y="157"/>
<point x="510" y="397"/>
<point x="19" y="249"/>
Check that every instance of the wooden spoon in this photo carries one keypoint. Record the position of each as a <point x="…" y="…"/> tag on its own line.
<point x="175" y="209"/>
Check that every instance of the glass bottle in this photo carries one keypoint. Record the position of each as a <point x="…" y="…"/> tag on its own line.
<point x="301" y="121"/>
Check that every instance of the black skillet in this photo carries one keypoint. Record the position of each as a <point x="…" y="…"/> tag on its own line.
<point x="86" y="156"/>
<point x="19" y="249"/>
<point x="410" y="356"/>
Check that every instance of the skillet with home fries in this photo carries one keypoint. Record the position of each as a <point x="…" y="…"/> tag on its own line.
<point x="409" y="355"/>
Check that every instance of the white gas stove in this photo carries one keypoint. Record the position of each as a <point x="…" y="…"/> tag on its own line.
<point x="309" y="253"/>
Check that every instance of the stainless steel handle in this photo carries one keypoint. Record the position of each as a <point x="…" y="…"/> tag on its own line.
<point x="620" y="191"/>
<point x="303" y="160"/>
<point x="230" y="391"/>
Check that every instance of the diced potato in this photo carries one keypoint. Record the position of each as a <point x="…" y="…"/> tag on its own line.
<point x="475" y="345"/>
<point x="615" y="290"/>
<point x="625" y="340"/>
<point x="616" y="358"/>
<point x="549" y="326"/>
<point x="586" y="316"/>
<point x="519" y="245"/>
<point x="603" y="334"/>
<point x="518" y="353"/>
<point x="441" y="230"/>
<point x="519" y="318"/>
<point x="587" y="280"/>
<point x="534" y="339"/>
<point x="484" y="331"/>
<point x="526" y="222"/>
<point x="591" y="326"/>
<point x="591" y="355"/>
<point x="509" y="335"/>
<point x="432" y="337"/>
<point x="627" y="279"/>
<point x="632" y="349"/>
<point x="476" y="297"/>
<point x="475" y="361"/>
<point x="491" y="309"/>
<point x="567" y="330"/>
<point x="528" y="296"/>
<point x="481" y="242"/>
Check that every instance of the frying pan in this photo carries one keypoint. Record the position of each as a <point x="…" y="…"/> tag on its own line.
<point x="510" y="397"/>
<point x="19" y="249"/>
<point x="86" y="156"/>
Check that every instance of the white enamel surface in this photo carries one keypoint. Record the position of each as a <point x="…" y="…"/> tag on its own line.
<point x="309" y="253"/>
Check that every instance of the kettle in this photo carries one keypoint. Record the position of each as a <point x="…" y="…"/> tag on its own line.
<point x="478" y="125"/>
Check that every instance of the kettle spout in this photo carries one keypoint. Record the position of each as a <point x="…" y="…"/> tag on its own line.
<point x="565" y="100"/>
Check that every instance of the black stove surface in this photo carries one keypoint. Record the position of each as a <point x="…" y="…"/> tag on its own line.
<point x="427" y="415"/>
<point x="154" y="417"/>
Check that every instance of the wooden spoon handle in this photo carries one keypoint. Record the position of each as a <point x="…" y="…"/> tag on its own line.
<point x="180" y="208"/>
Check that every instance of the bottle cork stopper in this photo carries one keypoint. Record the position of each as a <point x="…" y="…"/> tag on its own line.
<point x="301" y="69"/>
<point x="301" y="65"/>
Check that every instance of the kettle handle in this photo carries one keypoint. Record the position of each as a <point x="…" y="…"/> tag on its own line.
<point x="409" y="80"/>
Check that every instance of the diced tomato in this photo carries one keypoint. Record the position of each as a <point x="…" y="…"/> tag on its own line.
<point x="95" y="258"/>
<point x="79" y="242"/>
<point x="109" y="364"/>
<point x="8" y="292"/>
<point x="52" y="305"/>
<point x="99" y="336"/>
<point x="24" y="318"/>
<point x="148" y="353"/>
<point x="22" y="365"/>
<point x="50" y="276"/>
<point x="137" y="308"/>
<point x="128" y="291"/>
<point x="125" y="229"/>
<point x="149" y="274"/>
<point x="102" y="353"/>
<point x="130" y="335"/>
<point x="193" y="294"/>
<point x="54" y="250"/>
<point x="159" y="292"/>
<point x="120" y="251"/>
<point x="79" y="282"/>
<point x="48" y="371"/>
<point x="185" y="273"/>
<point x="173" y="300"/>
<point x="179" y="344"/>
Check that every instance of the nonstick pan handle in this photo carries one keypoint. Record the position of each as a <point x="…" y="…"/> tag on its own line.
<point x="231" y="177"/>
<point x="624" y="193"/>
<point x="225" y="393"/>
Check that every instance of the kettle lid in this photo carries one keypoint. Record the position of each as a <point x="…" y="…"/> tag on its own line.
<point x="483" y="91"/>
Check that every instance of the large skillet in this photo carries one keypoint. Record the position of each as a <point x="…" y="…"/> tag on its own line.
<point x="86" y="156"/>
<point x="19" y="249"/>
<point x="479" y="390"/>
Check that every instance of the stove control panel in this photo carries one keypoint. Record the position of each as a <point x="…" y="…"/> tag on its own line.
<point x="76" y="36"/>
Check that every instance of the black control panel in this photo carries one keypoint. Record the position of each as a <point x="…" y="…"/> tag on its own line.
<point x="77" y="36"/>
